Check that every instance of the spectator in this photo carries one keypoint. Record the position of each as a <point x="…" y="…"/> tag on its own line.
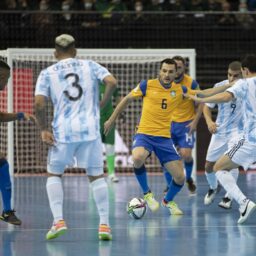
<point x="244" y="18"/>
<point x="251" y="4"/>
<point x="226" y="18"/>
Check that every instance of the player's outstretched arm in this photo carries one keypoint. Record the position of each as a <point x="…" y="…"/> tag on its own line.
<point x="212" y="91"/>
<point x="8" y="117"/>
<point x="218" y="98"/>
<point x="118" y="110"/>
<point x="212" y="126"/>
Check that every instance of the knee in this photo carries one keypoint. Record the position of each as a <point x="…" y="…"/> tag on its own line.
<point x="138" y="161"/>
<point x="179" y="178"/>
<point x="186" y="156"/>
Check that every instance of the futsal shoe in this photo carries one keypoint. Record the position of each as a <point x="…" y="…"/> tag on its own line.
<point x="211" y="194"/>
<point x="153" y="205"/>
<point x="113" y="178"/>
<point x="225" y="203"/>
<point x="105" y="232"/>
<point x="57" y="230"/>
<point x="191" y="186"/>
<point x="10" y="217"/>
<point x="172" y="207"/>
<point x="246" y="210"/>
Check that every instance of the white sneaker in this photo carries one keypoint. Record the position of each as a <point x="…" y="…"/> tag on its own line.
<point x="225" y="203"/>
<point x="246" y="211"/>
<point x="210" y="196"/>
<point x="113" y="178"/>
<point x="153" y="205"/>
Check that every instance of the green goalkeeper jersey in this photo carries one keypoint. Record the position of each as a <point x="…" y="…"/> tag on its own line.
<point x="108" y="109"/>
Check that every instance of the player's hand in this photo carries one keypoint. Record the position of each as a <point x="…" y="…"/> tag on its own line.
<point x="108" y="125"/>
<point x="194" y="98"/>
<point x="29" y="117"/>
<point x="212" y="127"/>
<point x="47" y="137"/>
<point x="192" y="127"/>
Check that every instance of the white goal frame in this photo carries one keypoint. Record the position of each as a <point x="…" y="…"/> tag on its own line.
<point x="18" y="53"/>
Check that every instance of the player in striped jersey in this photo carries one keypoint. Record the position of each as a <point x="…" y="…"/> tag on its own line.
<point x="243" y="153"/>
<point x="8" y="214"/>
<point x="184" y="122"/>
<point x="72" y="85"/>
<point x="227" y="128"/>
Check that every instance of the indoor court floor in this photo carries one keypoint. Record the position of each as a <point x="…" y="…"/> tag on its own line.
<point x="202" y="230"/>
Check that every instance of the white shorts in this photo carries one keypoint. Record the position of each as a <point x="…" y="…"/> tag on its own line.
<point x="87" y="155"/>
<point x="219" y="146"/>
<point x="243" y="153"/>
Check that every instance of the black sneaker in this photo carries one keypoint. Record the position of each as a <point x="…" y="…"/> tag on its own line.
<point x="210" y="196"/>
<point x="191" y="186"/>
<point x="225" y="203"/>
<point x="10" y="217"/>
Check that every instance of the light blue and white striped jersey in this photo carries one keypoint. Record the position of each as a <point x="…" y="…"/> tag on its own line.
<point x="230" y="115"/>
<point x="245" y="89"/>
<point x="73" y="87"/>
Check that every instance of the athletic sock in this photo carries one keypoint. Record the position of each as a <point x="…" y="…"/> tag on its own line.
<point x="141" y="175"/>
<point x="111" y="164"/>
<point x="188" y="169"/>
<point x="229" y="184"/>
<point x="5" y="185"/>
<point x="100" y="195"/>
<point x="234" y="173"/>
<point x="172" y="191"/>
<point x="55" y="195"/>
<point x="168" y="177"/>
<point x="212" y="180"/>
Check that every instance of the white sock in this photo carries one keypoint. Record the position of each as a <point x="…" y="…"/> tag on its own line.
<point x="212" y="180"/>
<point x="100" y="194"/>
<point x="229" y="184"/>
<point x="234" y="173"/>
<point x="55" y="196"/>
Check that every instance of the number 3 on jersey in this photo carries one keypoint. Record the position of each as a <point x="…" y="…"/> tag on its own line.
<point x="76" y="85"/>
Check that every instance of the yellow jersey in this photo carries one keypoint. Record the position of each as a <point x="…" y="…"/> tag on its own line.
<point x="157" y="107"/>
<point x="186" y="110"/>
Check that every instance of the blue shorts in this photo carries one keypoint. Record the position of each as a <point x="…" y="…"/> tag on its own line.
<point x="180" y="136"/>
<point x="163" y="147"/>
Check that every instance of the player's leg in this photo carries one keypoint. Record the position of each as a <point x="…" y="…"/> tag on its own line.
<point x="186" y="154"/>
<point x="176" y="169"/>
<point x="240" y="155"/>
<point x="217" y="147"/>
<point x="169" y="158"/>
<point x="59" y="157"/>
<point x="8" y="214"/>
<point x="226" y="201"/>
<point x="142" y="148"/>
<point x="93" y="163"/>
<point x="110" y="154"/>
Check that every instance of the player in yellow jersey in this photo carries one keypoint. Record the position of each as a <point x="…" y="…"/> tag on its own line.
<point x="184" y="122"/>
<point x="161" y="96"/>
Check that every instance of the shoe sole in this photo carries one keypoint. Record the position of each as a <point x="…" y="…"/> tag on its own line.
<point x="249" y="214"/>
<point x="59" y="233"/>
<point x="105" y="237"/>
<point x="13" y="223"/>
<point x="225" y="207"/>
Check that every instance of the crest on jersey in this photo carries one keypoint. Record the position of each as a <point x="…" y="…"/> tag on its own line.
<point x="173" y="93"/>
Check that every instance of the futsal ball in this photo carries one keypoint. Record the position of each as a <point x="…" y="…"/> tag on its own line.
<point x="136" y="208"/>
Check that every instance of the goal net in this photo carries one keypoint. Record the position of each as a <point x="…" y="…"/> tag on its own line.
<point x="21" y="140"/>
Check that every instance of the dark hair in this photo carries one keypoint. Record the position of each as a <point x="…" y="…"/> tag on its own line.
<point x="4" y="65"/>
<point x="235" y="65"/>
<point x="168" y="61"/>
<point x="249" y="61"/>
<point x="179" y="58"/>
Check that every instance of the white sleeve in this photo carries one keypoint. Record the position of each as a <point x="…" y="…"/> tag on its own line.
<point x="42" y="84"/>
<point x="239" y="89"/>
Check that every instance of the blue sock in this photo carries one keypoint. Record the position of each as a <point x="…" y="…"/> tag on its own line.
<point x="189" y="169"/>
<point x="172" y="192"/>
<point x="141" y="175"/>
<point x="5" y="185"/>
<point x="168" y="177"/>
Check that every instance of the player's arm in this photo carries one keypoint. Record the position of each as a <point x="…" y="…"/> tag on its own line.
<point x="212" y="127"/>
<point x="110" y="83"/>
<point x="8" y="117"/>
<point x="118" y="110"/>
<point x="194" y="123"/>
<point x="41" y="112"/>
<point x="218" y="98"/>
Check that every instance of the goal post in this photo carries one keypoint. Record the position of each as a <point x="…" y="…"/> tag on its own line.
<point x="26" y="153"/>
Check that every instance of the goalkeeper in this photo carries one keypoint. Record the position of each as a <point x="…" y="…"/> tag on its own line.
<point x="109" y="140"/>
<point x="8" y="214"/>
